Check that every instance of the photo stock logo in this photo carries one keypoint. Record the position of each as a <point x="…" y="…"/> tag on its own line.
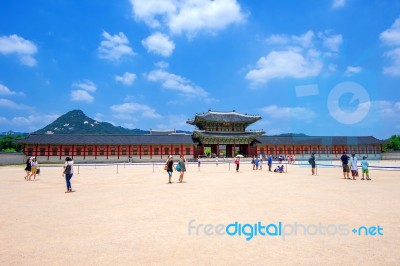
<point x="280" y="230"/>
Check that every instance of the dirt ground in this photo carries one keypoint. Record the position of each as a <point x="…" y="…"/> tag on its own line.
<point x="130" y="215"/>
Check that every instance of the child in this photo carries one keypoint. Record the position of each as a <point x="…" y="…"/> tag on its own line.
<point x="364" y="165"/>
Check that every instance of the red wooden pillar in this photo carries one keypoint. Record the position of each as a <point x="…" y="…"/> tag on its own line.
<point x="151" y="151"/>
<point x="234" y="147"/>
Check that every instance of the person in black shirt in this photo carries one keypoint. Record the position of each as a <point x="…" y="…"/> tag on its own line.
<point x="345" y="164"/>
<point x="312" y="162"/>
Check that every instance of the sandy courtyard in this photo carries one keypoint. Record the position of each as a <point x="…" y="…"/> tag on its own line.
<point x="134" y="217"/>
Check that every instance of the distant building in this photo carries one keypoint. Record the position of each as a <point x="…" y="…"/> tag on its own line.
<point x="221" y="134"/>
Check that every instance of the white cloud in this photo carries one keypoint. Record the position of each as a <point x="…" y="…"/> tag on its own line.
<point x="81" y="96"/>
<point x="295" y="56"/>
<point x="176" y="121"/>
<point x="297" y="113"/>
<point x="15" y="44"/>
<point x="394" y="68"/>
<point x="162" y="64"/>
<point x="12" y="105"/>
<point x="29" y="122"/>
<point x="284" y="64"/>
<point x="350" y="70"/>
<point x="332" y="42"/>
<point x="175" y="82"/>
<point x="159" y="43"/>
<point x="391" y="38"/>
<point x="386" y="109"/>
<point x="126" y="79"/>
<point x="338" y="3"/>
<point x="306" y="40"/>
<point x="188" y="17"/>
<point x="132" y="108"/>
<point x="6" y="91"/>
<point x="113" y="47"/>
<point x="86" y="85"/>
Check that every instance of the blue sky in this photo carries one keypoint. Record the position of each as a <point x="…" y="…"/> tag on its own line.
<point x="328" y="67"/>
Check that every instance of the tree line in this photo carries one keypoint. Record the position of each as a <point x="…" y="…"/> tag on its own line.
<point x="8" y="143"/>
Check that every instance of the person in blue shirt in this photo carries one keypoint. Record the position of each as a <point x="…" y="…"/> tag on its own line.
<point x="269" y="162"/>
<point x="364" y="166"/>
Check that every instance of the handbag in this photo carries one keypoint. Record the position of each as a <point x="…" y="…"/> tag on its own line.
<point x="178" y="167"/>
<point x="166" y="167"/>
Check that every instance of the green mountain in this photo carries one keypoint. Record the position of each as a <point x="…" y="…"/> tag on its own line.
<point x="76" y="122"/>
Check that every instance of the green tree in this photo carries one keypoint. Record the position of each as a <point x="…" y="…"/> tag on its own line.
<point x="393" y="143"/>
<point x="8" y="144"/>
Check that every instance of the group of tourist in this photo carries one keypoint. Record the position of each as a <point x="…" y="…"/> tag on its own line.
<point x="354" y="167"/>
<point x="346" y="160"/>
<point x="180" y="167"/>
<point x="31" y="169"/>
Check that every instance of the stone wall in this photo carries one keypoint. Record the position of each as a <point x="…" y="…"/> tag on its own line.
<point x="9" y="158"/>
<point x="391" y="155"/>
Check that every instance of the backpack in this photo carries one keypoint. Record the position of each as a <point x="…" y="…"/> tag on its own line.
<point x="67" y="169"/>
<point x="310" y="161"/>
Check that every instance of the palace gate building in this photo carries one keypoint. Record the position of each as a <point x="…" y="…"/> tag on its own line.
<point x="222" y="134"/>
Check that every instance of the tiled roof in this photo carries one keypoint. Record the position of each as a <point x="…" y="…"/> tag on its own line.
<point x="232" y="117"/>
<point x="62" y="139"/>
<point x="319" y="140"/>
<point x="253" y="133"/>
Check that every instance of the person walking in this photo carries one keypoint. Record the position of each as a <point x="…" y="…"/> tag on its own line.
<point x="28" y="168"/>
<point x="354" y="167"/>
<point x="182" y="166"/>
<point x="169" y="168"/>
<point x="345" y="164"/>
<point x="34" y="167"/>
<point x="364" y="166"/>
<point x="68" y="172"/>
<point x="237" y="163"/>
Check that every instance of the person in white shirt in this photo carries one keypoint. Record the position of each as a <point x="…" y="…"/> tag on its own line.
<point x="354" y="169"/>
<point x="68" y="172"/>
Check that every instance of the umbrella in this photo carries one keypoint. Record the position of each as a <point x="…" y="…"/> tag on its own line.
<point x="239" y="156"/>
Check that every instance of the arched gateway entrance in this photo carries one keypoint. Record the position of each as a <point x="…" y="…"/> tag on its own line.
<point x="224" y="134"/>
